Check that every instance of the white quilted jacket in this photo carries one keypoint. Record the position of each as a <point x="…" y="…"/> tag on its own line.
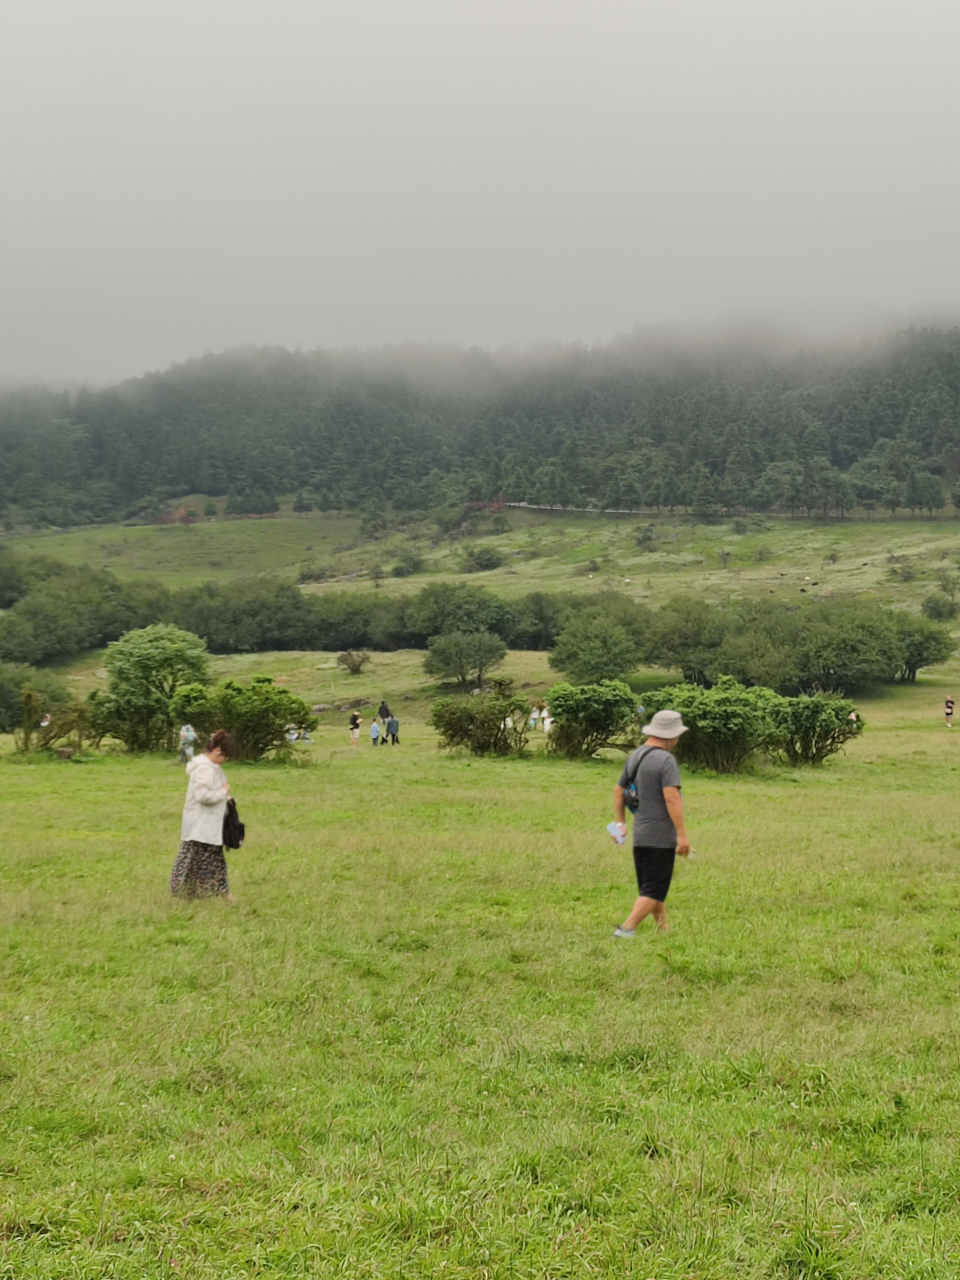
<point x="206" y="802"/>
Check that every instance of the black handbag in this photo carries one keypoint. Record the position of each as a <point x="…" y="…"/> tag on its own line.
<point x="631" y="797"/>
<point x="233" y="828"/>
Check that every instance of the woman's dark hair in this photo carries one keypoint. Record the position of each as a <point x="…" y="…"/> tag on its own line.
<point x="222" y="740"/>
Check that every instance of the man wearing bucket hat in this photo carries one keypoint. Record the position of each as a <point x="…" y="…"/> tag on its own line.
<point x="658" y="830"/>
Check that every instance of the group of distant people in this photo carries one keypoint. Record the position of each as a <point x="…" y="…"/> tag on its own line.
<point x="384" y="727"/>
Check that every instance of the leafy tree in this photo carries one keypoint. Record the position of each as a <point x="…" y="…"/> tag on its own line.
<point x="256" y="715"/>
<point x="354" y="660"/>
<point x="209" y="507"/>
<point x="846" y="647"/>
<point x="592" y="648"/>
<point x="489" y="724"/>
<point x="410" y="562"/>
<point x="704" y="495"/>
<point x="13" y="579"/>
<point x="14" y="678"/>
<point x="481" y="559"/>
<point x="923" y="644"/>
<point x="146" y="668"/>
<point x="807" y="729"/>
<point x="589" y="717"/>
<point x="251" y="501"/>
<point x="300" y="503"/>
<point x="727" y="724"/>
<point x="686" y="633"/>
<point x="891" y="495"/>
<point x="938" y="607"/>
<point x="454" y="606"/>
<point x="464" y="656"/>
<point x="537" y="621"/>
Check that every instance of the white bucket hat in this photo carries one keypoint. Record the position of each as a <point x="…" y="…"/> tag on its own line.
<point x="665" y="724"/>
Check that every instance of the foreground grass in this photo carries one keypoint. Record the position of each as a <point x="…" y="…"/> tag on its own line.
<point x="413" y="1048"/>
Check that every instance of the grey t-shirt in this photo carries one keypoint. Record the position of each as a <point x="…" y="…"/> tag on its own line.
<point x="651" y="822"/>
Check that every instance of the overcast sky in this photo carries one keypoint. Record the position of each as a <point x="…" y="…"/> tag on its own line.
<point x="189" y="175"/>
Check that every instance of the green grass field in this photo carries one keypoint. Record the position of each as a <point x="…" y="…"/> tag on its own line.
<point x="412" y="1047"/>
<point x="209" y="551"/>
<point x="895" y="560"/>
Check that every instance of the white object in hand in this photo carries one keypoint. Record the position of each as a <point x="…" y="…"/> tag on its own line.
<point x="618" y="835"/>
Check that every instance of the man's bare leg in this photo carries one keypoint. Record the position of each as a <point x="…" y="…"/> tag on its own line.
<point x="644" y="907"/>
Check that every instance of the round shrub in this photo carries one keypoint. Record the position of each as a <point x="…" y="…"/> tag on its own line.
<point x="590" y="716"/>
<point x="726" y="724"/>
<point x="938" y="607"/>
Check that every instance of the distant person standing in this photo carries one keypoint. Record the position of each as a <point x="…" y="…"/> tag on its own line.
<point x="383" y="711"/>
<point x="659" y="833"/>
<point x="356" y="720"/>
<point x="948" y="712"/>
<point x="200" y="869"/>
<point x="375" y="733"/>
<point x="392" y="731"/>
<point x="188" y="736"/>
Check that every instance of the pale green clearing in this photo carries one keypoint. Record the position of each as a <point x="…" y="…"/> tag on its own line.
<point x="412" y="1047"/>
<point x="209" y="551"/>
<point x="542" y="552"/>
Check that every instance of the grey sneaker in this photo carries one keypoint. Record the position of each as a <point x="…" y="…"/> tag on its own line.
<point x="620" y="932"/>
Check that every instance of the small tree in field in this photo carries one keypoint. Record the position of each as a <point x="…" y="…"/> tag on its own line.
<point x="146" y="668"/>
<point x="464" y="656"/>
<point x="938" y="607"/>
<point x="592" y="648"/>
<point x="354" y="660"/>
<point x="256" y="715"/>
<point x="923" y="644"/>
<point x="588" y="717"/>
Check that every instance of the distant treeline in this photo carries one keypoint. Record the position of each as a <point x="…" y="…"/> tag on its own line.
<point x="625" y="426"/>
<point x="55" y="611"/>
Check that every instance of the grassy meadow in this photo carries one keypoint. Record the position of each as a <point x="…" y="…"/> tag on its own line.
<point x="413" y="1048"/>
<point x="896" y="561"/>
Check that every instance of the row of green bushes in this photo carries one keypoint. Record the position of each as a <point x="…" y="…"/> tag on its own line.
<point x="728" y="724"/>
<point x="56" y="611"/>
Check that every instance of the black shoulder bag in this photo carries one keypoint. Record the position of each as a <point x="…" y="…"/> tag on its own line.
<point x="631" y="797"/>
<point x="233" y="828"/>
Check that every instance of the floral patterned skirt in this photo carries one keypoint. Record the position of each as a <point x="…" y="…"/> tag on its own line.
<point x="200" y="871"/>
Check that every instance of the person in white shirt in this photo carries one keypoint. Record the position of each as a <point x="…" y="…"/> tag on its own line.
<point x="200" y="869"/>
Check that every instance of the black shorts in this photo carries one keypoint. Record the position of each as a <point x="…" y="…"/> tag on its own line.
<point x="654" y="871"/>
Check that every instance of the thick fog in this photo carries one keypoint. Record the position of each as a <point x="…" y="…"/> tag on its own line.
<point x="185" y="175"/>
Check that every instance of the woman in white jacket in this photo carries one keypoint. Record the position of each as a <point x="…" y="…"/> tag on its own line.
<point x="200" y="869"/>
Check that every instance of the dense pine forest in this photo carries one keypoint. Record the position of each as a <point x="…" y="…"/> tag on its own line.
<point x="630" y="425"/>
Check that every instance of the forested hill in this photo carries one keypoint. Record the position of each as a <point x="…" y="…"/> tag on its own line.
<point x="625" y="425"/>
